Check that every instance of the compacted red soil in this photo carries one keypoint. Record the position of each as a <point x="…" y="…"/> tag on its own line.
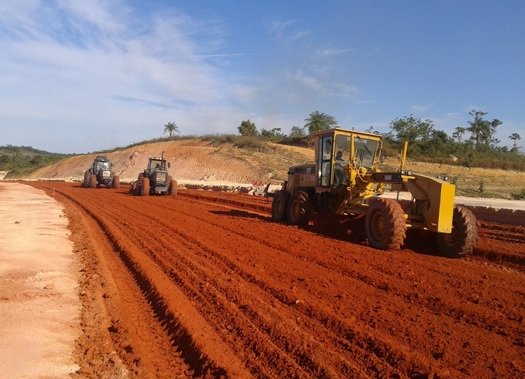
<point x="205" y="285"/>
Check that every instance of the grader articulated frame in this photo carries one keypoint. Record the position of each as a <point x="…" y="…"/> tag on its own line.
<point x="345" y="180"/>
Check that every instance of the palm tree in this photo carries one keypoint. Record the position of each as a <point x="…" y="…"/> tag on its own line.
<point x="514" y="137"/>
<point x="171" y="127"/>
<point x="478" y="127"/>
<point x="317" y="121"/>
<point x="482" y="130"/>
<point x="458" y="134"/>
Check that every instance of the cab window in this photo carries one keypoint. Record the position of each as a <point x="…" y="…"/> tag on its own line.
<point x="325" y="161"/>
<point x="365" y="151"/>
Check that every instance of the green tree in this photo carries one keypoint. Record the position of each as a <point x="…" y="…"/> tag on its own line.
<point x="482" y="130"/>
<point x="412" y="129"/>
<point x="318" y="121"/>
<point x="248" y="128"/>
<point x="272" y="134"/>
<point x="458" y="134"/>
<point x="171" y="128"/>
<point x="297" y="132"/>
<point x="514" y="137"/>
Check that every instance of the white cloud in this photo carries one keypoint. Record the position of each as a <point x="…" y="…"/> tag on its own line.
<point x="321" y="85"/>
<point x="286" y="33"/>
<point x="100" y="75"/>
<point x="329" y="53"/>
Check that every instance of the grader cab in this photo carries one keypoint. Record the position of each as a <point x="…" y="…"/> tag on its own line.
<point x="345" y="180"/>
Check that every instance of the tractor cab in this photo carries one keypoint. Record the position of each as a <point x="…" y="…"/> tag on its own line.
<point x="157" y="164"/>
<point x="101" y="163"/>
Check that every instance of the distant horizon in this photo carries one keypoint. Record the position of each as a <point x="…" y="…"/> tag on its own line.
<point x="89" y="76"/>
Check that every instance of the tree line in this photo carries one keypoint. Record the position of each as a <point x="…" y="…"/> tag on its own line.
<point x="474" y="144"/>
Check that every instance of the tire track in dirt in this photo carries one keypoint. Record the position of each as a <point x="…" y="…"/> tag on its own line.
<point x="252" y="311"/>
<point x="201" y="220"/>
<point x="184" y="358"/>
<point x="432" y="304"/>
<point x="290" y="302"/>
<point x="500" y="244"/>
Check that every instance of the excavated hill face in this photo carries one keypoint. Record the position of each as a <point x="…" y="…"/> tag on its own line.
<point x="191" y="159"/>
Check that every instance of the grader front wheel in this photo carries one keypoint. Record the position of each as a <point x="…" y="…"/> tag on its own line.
<point x="279" y="205"/>
<point x="299" y="209"/>
<point x="385" y="225"/>
<point x="463" y="238"/>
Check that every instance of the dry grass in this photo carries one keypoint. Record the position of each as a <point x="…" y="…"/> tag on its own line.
<point x="474" y="182"/>
<point x="493" y="182"/>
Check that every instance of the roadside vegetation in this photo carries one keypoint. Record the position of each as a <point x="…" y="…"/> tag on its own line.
<point x="472" y="157"/>
<point x="24" y="159"/>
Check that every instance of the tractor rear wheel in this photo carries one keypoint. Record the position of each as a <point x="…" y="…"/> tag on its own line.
<point x="144" y="186"/>
<point x="172" y="188"/>
<point x="87" y="175"/>
<point x="300" y="209"/>
<point x="385" y="225"/>
<point x="115" y="182"/>
<point x="279" y="204"/>
<point x="92" y="181"/>
<point x="464" y="236"/>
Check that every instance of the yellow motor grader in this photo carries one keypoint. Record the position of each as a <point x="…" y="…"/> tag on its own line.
<point x="345" y="180"/>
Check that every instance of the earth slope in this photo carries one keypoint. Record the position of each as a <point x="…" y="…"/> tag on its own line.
<point x="191" y="159"/>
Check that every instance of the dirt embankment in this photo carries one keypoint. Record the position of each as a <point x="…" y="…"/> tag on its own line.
<point x="191" y="159"/>
<point x="205" y="284"/>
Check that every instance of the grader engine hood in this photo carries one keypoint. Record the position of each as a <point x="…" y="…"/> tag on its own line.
<point x="437" y="199"/>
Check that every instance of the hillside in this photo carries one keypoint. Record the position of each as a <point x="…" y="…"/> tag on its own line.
<point x="213" y="161"/>
<point x="20" y="160"/>
<point x="191" y="159"/>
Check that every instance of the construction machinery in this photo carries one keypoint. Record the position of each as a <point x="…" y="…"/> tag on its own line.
<point x="100" y="173"/>
<point x="346" y="181"/>
<point x="154" y="179"/>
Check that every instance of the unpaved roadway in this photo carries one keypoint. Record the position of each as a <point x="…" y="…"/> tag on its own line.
<point x="204" y="284"/>
<point x="39" y="304"/>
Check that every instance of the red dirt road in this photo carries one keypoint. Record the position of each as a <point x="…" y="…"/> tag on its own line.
<point x="204" y="284"/>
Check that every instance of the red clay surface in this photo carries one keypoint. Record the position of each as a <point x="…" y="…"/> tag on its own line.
<point x="204" y="284"/>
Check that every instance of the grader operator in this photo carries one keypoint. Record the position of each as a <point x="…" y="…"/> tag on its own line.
<point x="345" y="180"/>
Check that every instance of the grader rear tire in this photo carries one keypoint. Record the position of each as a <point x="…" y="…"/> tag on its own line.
<point x="385" y="225"/>
<point x="279" y="205"/>
<point x="464" y="236"/>
<point x="300" y="209"/>
<point x="93" y="181"/>
<point x="144" y="186"/>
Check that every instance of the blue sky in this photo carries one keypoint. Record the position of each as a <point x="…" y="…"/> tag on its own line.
<point x="79" y="76"/>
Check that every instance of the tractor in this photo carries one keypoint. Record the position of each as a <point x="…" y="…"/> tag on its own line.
<point x="100" y="173"/>
<point x="154" y="179"/>
<point x="345" y="182"/>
